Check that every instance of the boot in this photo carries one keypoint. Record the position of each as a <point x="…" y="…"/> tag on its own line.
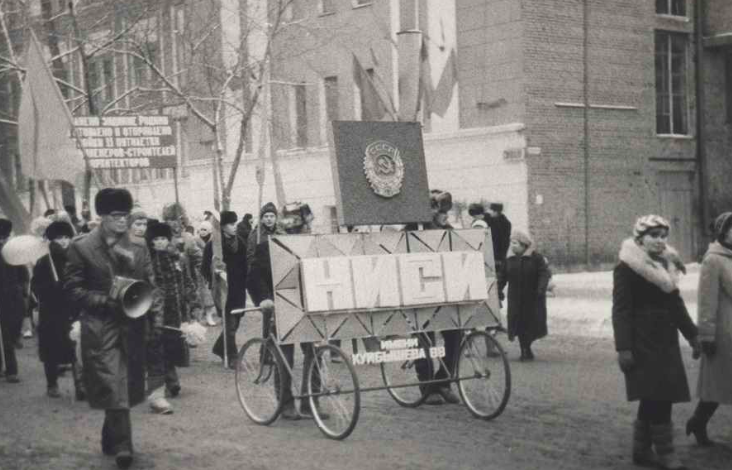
<point x="643" y="454"/>
<point x="698" y="423"/>
<point x="662" y="436"/>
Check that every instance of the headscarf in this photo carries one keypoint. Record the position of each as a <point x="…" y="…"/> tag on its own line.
<point x="722" y="224"/>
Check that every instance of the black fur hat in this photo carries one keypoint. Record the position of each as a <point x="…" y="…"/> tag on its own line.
<point x="496" y="206"/>
<point x="158" y="229"/>
<point x="475" y="209"/>
<point x="110" y="200"/>
<point x="440" y="200"/>
<point x="228" y="217"/>
<point x="269" y="207"/>
<point x="6" y="227"/>
<point x="59" y="229"/>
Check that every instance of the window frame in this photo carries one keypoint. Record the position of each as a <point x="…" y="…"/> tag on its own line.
<point x="671" y="93"/>
<point x="361" y="3"/>
<point x="300" y="111"/>
<point x="669" y="7"/>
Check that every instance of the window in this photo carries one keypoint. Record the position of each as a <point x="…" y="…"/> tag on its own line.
<point x="94" y="83"/>
<point x="108" y="76"/>
<point x="367" y="109"/>
<point x="671" y="100"/>
<point x="361" y="3"/>
<point x="331" y="98"/>
<point x="301" y="117"/>
<point x="671" y="7"/>
<point x="327" y="7"/>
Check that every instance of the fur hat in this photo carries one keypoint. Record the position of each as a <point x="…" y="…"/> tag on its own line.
<point x="476" y="209"/>
<point x="440" y="200"/>
<point x="496" y="206"/>
<point x="522" y="237"/>
<point x="110" y="200"/>
<point x="175" y="211"/>
<point x="159" y="229"/>
<point x="6" y="227"/>
<point x="205" y="225"/>
<point x="228" y="217"/>
<point x="722" y="225"/>
<point x="59" y="229"/>
<point x="269" y="207"/>
<point x="648" y="222"/>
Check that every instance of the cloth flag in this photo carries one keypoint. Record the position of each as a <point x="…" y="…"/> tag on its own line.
<point x="47" y="150"/>
<point x="373" y="104"/>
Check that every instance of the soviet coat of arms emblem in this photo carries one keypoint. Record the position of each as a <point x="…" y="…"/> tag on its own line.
<point x="384" y="168"/>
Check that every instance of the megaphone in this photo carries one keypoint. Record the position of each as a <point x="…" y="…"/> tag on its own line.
<point x="134" y="296"/>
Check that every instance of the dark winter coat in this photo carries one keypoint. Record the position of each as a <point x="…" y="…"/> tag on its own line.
<point x="259" y="281"/>
<point x="501" y="234"/>
<point x="112" y="344"/>
<point x="180" y="299"/>
<point x="235" y="259"/>
<point x="648" y="313"/>
<point x="527" y="277"/>
<point x="13" y="297"/>
<point x="55" y="312"/>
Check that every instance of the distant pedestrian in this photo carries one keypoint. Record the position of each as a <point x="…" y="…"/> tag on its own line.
<point x="500" y="231"/>
<point x="56" y="313"/>
<point x="526" y="273"/>
<point x="138" y="226"/>
<point x="244" y="226"/>
<point x="14" y="282"/>
<point x="647" y="313"/>
<point x="204" y="293"/>
<point x="715" y="330"/>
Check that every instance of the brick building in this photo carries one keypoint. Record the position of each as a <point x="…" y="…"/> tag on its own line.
<point x="577" y="115"/>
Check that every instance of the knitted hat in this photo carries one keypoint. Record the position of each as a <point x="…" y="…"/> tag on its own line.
<point x="476" y="209"/>
<point x="6" y="227"/>
<point x="648" y="222"/>
<point x="269" y="207"/>
<point x="59" y="229"/>
<point x="228" y="217"/>
<point x="159" y="229"/>
<point x="496" y="206"/>
<point x="522" y="237"/>
<point x="205" y="225"/>
<point x="722" y="224"/>
<point x="110" y="200"/>
<point x="136" y="214"/>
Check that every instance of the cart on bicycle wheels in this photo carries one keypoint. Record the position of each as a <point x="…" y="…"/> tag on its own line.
<point x="399" y="287"/>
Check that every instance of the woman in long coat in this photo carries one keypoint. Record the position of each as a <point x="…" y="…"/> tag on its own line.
<point x="715" y="329"/>
<point x="527" y="275"/>
<point x="56" y="313"/>
<point x="648" y="312"/>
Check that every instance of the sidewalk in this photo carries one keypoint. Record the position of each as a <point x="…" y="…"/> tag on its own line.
<point x="582" y="305"/>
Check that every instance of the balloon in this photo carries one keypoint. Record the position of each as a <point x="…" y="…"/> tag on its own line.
<point x="24" y="249"/>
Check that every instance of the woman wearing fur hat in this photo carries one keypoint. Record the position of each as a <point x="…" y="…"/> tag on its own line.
<point x="234" y="251"/>
<point x="715" y="329"/>
<point x="648" y="312"/>
<point x="527" y="275"/>
<point x="180" y="297"/>
<point x="55" y="312"/>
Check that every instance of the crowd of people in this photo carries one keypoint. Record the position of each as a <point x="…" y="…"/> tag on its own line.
<point x="129" y="360"/>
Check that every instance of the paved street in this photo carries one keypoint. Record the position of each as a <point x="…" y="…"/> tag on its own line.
<point x="567" y="411"/>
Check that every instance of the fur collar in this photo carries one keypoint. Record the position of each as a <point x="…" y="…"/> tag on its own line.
<point x="666" y="278"/>
<point x="529" y="251"/>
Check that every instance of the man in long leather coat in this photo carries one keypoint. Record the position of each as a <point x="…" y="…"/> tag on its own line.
<point x="112" y="344"/>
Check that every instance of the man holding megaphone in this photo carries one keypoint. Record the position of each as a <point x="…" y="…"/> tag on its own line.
<point x="112" y="282"/>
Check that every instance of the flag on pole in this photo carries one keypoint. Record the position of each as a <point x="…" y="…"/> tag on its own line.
<point x="47" y="150"/>
<point x="373" y="104"/>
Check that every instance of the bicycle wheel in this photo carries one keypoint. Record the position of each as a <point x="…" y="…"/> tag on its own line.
<point x="258" y="368"/>
<point x="334" y="396"/>
<point x="396" y="374"/>
<point x="484" y="377"/>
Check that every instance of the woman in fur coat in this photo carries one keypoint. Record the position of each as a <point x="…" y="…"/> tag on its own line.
<point x="56" y="313"/>
<point x="647" y="313"/>
<point x="715" y="329"/>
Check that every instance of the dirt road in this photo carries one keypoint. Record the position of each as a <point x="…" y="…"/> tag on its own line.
<point x="567" y="411"/>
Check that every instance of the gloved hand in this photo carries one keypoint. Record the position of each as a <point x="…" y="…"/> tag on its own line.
<point x="112" y="306"/>
<point x="695" y="348"/>
<point x="501" y="296"/>
<point x="626" y="361"/>
<point x="709" y="348"/>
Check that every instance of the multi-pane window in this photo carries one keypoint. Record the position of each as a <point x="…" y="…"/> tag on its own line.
<point x="671" y="7"/>
<point x="671" y="86"/>
<point x="331" y="98"/>
<point x="301" y="117"/>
